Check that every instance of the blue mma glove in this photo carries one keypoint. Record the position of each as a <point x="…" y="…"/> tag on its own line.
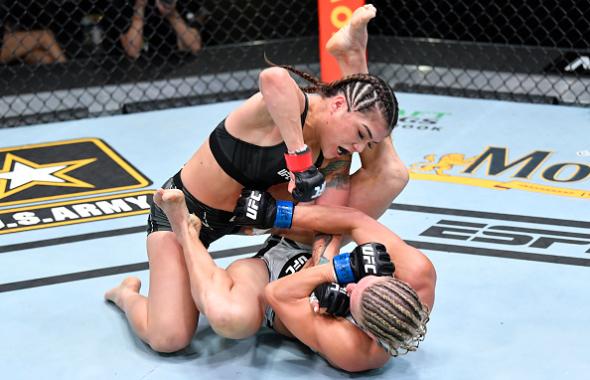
<point x="365" y="260"/>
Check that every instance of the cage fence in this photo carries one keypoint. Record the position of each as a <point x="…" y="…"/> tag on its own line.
<point x="70" y="59"/>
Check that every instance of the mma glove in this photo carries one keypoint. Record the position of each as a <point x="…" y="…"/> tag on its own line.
<point x="259" y="209"/>
<point x="309" y="182"/>
<point x="365" y="260"/>
<point x="333" y="298"/>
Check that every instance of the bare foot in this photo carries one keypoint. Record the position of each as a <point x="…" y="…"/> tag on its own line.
<point x="353" y="36"/>
<point x="117" y="294"/>
<point x="173" y="203"/>
<point x="183" y="224"/>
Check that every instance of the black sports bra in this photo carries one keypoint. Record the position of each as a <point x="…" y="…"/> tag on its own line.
<point x="255" y="167"/>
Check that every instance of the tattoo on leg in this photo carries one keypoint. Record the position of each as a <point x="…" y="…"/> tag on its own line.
<point x="337" y="173"/>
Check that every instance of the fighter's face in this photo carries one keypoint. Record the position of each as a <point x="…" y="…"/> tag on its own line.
<point x="346" y="132"/>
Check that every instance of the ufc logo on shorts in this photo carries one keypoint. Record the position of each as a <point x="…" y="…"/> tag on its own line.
<point x="318" y="190"/>
<point x="252" y="207"/>
<point x="369" y="259"/>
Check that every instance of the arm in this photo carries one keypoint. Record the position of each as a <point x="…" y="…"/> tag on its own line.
<point x="284" y="101"/>
<point x="412" y="266"/>
<point x="188" y="38"/>
<point x="336" y="172"/>
<point x="336" y="339"/>
<point x="132" y="39"/>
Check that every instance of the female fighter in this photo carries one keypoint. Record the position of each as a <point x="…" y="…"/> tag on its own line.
<point x="374" y="317"/>
<point x="277" y="126"/>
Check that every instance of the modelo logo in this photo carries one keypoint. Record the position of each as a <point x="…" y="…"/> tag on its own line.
<point x="505" y="235"/>
<point x="457" y="168"/>
<point x="294" y="264"/>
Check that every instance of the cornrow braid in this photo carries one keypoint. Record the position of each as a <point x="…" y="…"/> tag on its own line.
<point x="393" y="313"/>
<point x="363" y="92"/>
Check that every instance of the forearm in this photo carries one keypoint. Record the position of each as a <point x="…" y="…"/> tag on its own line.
<point x="132" y="40"/>
<point x="337" y="193"/>
<point x="189" y="37"/>
<point x="299" y="285"/>
<point x="282" y="99"/>
<point x="334" y="220"/>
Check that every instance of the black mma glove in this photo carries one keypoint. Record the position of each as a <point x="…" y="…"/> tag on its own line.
<point x="259" y="209"/>
<point x="309" y="182"/>
<point x="365" y="260"/>
<point x="333" y="297"/>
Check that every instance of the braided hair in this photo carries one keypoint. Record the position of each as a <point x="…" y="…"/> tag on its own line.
<point x="393" y="313"/>
<point x="363" y="92"/>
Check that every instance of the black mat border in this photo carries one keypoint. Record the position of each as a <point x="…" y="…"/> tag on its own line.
<point x="449" y="248"/>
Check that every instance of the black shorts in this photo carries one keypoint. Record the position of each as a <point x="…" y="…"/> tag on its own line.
<point x="215" y="223"/>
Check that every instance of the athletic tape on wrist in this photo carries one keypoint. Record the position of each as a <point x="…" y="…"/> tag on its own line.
<point x="298" y="162"/>
<point x="284" y="216"/>
<point x="342" y="268"/>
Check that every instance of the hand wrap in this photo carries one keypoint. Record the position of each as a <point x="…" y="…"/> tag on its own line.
<point x="309" y="182"/>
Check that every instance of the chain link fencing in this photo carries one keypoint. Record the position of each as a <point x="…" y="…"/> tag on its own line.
<point x="70" y="59"/>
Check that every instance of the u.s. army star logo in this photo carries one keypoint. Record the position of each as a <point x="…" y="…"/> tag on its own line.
<point x="63" y="169"/>
<point x="20" y="174"/>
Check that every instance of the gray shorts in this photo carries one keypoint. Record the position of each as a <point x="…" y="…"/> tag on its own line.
<point x="282" y="257"/>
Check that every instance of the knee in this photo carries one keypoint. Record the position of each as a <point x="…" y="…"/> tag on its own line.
<point x="235" y="322"/>
<point x="170" y="341"/>
<point x="396" y="174"/>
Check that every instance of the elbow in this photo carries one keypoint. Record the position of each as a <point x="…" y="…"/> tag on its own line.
<point x="132" y="49"/>
<point x="272" y="78"/>
<point x="396" y="176"/>
<point x="357" y="360"/>
<point x="402" y="174"/>
<point x="422" y="278"/>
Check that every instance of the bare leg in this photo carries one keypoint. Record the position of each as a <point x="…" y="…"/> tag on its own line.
<point x="167" y="318"/>
<point x="382" y="169"/>
<point x="231" y="299"/>
<point x="379" y="181"/>
<point x="349" y="44"/>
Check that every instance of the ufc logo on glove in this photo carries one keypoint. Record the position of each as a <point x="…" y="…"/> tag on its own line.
<point x="252" y="210"/>
<point x="369" y="259"/>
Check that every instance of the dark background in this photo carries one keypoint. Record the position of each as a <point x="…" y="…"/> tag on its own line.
<point x="549" y="23"/>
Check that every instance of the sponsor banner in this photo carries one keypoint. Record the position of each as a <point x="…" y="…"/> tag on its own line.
<point x="494" y="168"/>
<point x="493" y="234"/>
<point x="64" y="169"/>
<point x="420" y="120"/>
<point x="333" y="15"/>
<point x="75" y="211"/>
